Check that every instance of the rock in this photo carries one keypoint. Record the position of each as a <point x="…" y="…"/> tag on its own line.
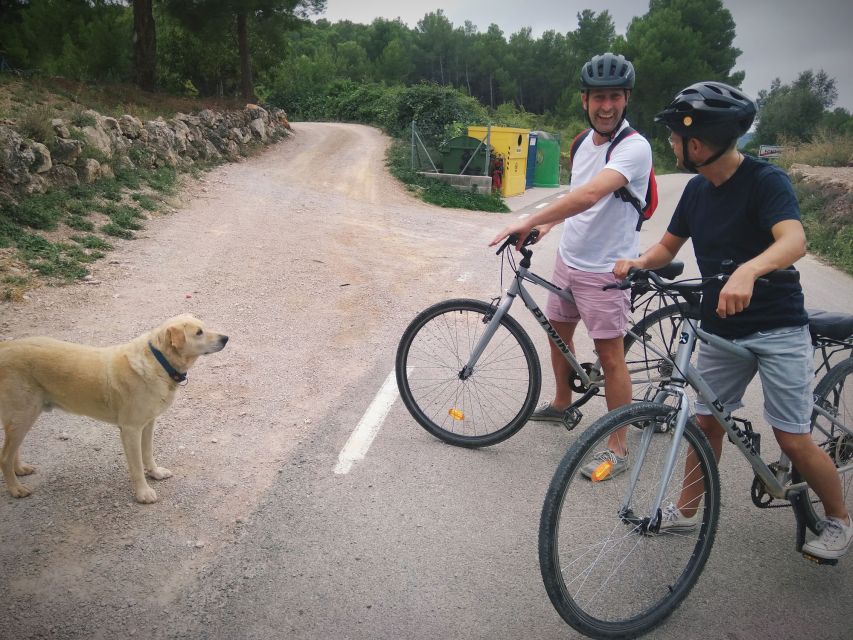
<point x="42" y="163"/>
<point x="97" y="138"/>
<point x="63" y="176"/>
<point x="59" y="128"/>
<point x="130" y="126"/>
<point x="66" y="151"/>
<point x="16" y="157"/>
<point x="259" y="129"/>
<point x="88" y="170"/>
<point x="162" y="141"/>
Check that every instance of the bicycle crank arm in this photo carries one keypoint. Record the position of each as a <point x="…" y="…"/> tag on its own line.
<point x="591" y="392"/>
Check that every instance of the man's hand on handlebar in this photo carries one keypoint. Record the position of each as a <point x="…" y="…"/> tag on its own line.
<point x="621" y="268"/>
<point x="736" y="294"/>
<point x="520" y="230"/>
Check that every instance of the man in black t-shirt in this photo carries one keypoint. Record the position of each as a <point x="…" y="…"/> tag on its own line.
<point x="742" y="209"/>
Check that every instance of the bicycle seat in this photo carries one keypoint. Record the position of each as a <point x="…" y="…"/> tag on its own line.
<point x="833" y="325"/>
<point x="670" y="271"/>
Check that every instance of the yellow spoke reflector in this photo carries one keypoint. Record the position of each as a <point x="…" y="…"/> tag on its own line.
<point x="602" y="471"/>
<point x="457" y="414"/>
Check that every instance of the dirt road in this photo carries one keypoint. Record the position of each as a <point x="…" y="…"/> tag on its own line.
<point x="304" y="256"/>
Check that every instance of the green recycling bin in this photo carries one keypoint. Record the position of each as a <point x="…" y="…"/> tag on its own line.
<point x="547" y="172"/>
<point x="465" y="153"/>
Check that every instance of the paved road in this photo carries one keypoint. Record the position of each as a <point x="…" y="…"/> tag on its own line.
<point x="422" y="540"/>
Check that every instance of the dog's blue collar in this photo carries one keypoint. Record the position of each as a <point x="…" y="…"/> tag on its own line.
<point x="174" y="374"/>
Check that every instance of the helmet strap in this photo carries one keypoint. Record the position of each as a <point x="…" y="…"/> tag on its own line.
<point x="685" y="156"/>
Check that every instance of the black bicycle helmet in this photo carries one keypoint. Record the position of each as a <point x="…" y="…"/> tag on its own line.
<point x="709" y="108"/>
<point x="606" y="71"/>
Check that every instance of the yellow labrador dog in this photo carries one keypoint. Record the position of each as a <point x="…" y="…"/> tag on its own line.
<point x="128" y="385"/>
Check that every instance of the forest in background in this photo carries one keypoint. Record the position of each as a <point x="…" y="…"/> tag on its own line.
<point x="282" y="53"/>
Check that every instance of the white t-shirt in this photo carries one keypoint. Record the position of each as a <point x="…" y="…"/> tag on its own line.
<point x="594" y="239"/>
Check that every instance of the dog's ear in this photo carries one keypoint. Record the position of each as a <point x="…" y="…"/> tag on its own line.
<point x="176" y="337"/>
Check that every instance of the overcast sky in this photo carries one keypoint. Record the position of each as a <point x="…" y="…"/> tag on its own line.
<point x="778" y="38"/>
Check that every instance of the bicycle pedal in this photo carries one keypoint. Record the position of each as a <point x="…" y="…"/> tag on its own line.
<point x="572" y="417"/>
<point x="829" y="561"/>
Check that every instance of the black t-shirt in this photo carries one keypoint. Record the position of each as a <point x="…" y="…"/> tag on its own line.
<point x="733" y="222"/>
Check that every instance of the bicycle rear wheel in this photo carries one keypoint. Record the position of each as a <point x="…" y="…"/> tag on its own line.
<point x="834" y="394"/>
<point x="484" y="408"/>
<point x="607" y="573"/>
<point x="648" y="370"/>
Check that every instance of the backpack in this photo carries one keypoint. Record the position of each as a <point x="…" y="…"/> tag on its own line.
<point x="651" y="198"/>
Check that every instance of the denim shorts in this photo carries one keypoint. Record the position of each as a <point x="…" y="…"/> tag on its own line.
<point x="785" y="363"/>
<point x="605" y="313"/>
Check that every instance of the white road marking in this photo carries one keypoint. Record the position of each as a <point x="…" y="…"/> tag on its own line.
<point x="365" y="431"/>
<point x="523" y="215"/>
<point x="464" y="277"/>
<point x="561" y="195"/>
<point x="544" y="204"/>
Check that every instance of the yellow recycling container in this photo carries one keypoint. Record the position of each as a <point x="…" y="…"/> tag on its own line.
<point x="510" y="144"/>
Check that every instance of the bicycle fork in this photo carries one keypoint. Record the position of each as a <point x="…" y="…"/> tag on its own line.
<point x="648" y="432"/>
<point x="495" y="322"/>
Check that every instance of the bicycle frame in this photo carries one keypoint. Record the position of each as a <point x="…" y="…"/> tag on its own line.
<point x="516" y="289"/>
<point x="684" y="375"/>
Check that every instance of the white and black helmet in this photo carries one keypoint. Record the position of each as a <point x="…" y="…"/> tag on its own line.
<point x="606" y="71"/>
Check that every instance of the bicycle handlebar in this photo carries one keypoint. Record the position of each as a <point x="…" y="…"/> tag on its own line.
<point x="727" y="267"/>
<point x="512" y="239"/>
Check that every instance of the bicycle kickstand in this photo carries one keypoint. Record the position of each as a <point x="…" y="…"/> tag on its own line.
<point x="798" y="500"/>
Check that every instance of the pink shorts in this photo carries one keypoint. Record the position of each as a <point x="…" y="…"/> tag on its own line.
<point x="605" y="313"/>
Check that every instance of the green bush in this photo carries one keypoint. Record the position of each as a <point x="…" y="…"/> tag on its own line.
<point x="827" y="215"/>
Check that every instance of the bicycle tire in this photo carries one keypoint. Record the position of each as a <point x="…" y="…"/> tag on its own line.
<point x="647" y="370"/>
<point x="627" y="582"/>
<point x="489" y="406"/>
<point x="835" y="393"/>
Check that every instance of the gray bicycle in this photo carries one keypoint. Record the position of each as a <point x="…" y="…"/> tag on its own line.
<point x="610" y="565"/>
<point x="469" y="374"/>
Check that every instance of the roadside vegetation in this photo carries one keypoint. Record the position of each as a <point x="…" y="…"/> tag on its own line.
<point x="826" y="205"/>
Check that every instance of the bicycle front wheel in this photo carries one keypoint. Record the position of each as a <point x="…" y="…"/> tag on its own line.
<point x="608" y="572"/>
<point x="483" y="408"/>
<point x="647" y="369"/>
<point x="833" y="394"/>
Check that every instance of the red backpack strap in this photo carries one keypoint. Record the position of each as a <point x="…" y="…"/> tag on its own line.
<point x="576" y="143"/>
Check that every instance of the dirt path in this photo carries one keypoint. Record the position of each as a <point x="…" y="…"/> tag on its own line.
<point x="281" y="252"/>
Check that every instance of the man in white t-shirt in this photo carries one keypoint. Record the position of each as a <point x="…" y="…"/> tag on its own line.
<point x="599" y="230"/>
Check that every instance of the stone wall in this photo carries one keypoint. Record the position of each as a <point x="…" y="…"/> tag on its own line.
<point x="89" y="150"/>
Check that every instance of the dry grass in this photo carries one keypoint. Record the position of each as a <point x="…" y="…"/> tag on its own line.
<point x="62" y="98"/>
<point x="825" y="150"/>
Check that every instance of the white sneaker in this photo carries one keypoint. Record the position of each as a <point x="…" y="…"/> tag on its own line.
<point x="673" y="520"/>
<point x="834" y="540"/>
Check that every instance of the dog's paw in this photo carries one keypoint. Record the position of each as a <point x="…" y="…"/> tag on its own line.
<point x="158" y="473"/>
<point x="24" y="469"/>
<point x="20" y="491"/>
<point x="146" y="495"/>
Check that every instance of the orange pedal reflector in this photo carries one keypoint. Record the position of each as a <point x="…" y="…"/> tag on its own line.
<point x="602" y="471"/>
<point x="457" y="414"/>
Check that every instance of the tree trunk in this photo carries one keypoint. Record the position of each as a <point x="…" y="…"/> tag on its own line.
<point x="246" y="83"/>
<point x="144" y="45"/>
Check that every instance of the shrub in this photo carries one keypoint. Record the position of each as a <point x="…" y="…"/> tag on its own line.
<point x="35" y="124"/>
